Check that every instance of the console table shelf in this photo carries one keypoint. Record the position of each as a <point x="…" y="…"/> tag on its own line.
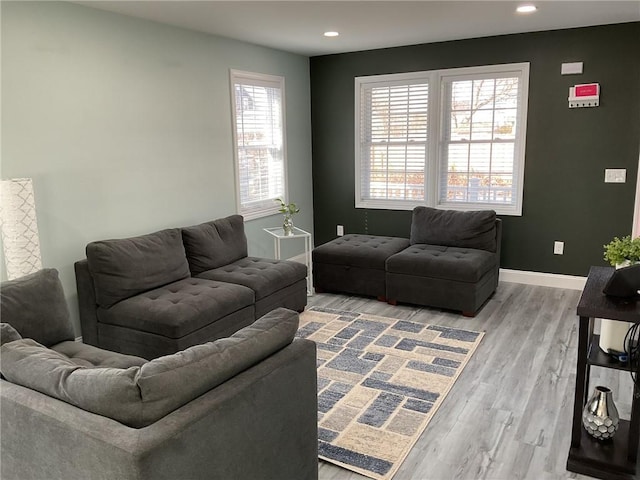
<point x="598" y="358"/>
<point x="615" y="459"/>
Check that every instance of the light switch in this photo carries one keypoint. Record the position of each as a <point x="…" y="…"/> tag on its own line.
<point x="615" y="175"/>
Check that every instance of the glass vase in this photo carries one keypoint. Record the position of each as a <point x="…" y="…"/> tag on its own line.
<point x="287" y="225"/>
<point x="600" y="415"/>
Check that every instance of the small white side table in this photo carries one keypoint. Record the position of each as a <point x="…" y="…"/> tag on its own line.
<point x="279" y="235"/>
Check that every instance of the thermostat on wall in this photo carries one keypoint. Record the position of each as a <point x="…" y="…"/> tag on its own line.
<point x="585" y="95"/>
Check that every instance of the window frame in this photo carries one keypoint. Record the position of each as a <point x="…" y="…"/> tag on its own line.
<point x="435" y="160"/>
<point x="264" y="207"/>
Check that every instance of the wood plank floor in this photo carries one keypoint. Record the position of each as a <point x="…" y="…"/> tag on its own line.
<point x="509" y="414"/>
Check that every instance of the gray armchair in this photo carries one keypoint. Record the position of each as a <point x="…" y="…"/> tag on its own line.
<point x="237" y="408"/>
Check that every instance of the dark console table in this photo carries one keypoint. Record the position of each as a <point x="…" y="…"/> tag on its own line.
<point x="615" y="459"/>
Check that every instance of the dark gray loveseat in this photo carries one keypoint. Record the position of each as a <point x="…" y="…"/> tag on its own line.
<point x="242" y="407"/>
<point x="159" y="293"/>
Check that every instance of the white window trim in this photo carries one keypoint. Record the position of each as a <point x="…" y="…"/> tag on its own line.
<point x="435" y="130"/>
<point x="266" y="80"/>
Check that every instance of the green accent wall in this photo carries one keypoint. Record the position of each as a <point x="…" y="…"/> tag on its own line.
<point x="567" y="150"/>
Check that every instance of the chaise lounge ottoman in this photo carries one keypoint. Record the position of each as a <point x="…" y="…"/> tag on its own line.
<point x="355" y="264"/>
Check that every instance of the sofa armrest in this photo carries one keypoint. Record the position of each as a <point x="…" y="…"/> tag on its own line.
<point x="261" y="424"/>
<point x="86" y="303"/>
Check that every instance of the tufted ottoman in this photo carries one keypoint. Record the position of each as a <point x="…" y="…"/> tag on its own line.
<point x="444" y="277"/>
<point x="355" y="264"/>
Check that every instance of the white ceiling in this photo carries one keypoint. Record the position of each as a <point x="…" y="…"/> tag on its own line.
<point x="297" y="26"/>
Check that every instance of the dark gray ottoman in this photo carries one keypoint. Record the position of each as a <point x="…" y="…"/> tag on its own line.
<point x="444" y="277"/>
<point x="354" y="264"/>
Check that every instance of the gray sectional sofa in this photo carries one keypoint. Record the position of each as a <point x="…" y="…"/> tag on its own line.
<point x="159" y="293"/>
<point x="450" y="261"/>
<point x="242" y="407"/>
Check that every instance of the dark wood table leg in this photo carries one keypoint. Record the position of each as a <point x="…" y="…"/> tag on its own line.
<point x="582" y="375"/>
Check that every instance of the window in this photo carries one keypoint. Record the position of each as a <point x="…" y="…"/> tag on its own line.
<point x="446" y="138"/>
<point x="260" y="158"/>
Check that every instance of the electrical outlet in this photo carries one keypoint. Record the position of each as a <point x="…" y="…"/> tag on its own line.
<point x="558" y="248"/>
<point x="339" y="230"/>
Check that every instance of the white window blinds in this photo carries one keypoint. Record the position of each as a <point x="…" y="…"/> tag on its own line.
<point x="393" y="141"/>
<point x="258" y="120"/>
<point x="481" y="123"/>
<point x="446" y="138"/>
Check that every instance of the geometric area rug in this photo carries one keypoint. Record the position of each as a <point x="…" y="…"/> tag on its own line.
<point x="380" y="381"/>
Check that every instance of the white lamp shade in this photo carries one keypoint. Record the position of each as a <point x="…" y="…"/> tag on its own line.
<point x="20" y="239"/>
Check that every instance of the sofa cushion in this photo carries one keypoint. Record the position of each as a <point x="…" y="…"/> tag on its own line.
<point x="264" y="276"/>
<point x="446" y="263"/>
<point x="451" y="228"/>
<point x="214" y="244"/>
<point x="140" y="395"/>
<point x="35" y="306"/>
<point x="8" y="333"/>
<point x="111" y="392"/>
<point x="123" y="268"/>
<point x="171" y="381"/>
<point x="90" y="356"/>
<point x="178" y="309"/>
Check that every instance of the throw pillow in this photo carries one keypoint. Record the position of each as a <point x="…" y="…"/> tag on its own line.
<point x="8" y="333"/>
<point x="35" y="306"/>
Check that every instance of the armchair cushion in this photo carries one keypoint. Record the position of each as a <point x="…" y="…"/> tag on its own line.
<point x="139" y="395"/>
<point x="452" y="228"/>
<point x="34" y="305"/>
<point x="122" y="268"/>
<point x="214" y="244"/>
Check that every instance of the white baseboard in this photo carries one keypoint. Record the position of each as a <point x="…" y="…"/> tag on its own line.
<point x="543" y="279"/>
<point x="540" y="279"/>
<point x="555" y="280"/>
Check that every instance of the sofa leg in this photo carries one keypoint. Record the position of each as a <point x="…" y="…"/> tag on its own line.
<point x="469" y="314"/>
<point x="382" y="298"/>
<point x="392" y="302"/>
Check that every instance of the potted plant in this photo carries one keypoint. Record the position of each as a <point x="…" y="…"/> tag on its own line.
<point x="288" y="210"/>
<point x="621" y="252"/>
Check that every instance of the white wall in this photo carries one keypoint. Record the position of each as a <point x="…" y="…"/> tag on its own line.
<point x="125" y="126"/>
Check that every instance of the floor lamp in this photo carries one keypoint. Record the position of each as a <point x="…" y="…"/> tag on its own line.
<point x="20" y="241"/>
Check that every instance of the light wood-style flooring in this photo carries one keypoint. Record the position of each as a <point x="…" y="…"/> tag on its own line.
<point x="509" y="414"/>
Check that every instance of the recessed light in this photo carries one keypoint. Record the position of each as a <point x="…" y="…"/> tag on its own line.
<point x="331" y="34"/>
<point x="526" y="8"/>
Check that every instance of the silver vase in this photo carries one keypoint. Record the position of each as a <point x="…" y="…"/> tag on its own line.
<point x="600" y="415"/>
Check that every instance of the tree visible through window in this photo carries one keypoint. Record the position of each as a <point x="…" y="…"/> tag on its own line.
<point x="450" y="138"/>
<point x="479" y="144"/>
<point x="258" y="118"/>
